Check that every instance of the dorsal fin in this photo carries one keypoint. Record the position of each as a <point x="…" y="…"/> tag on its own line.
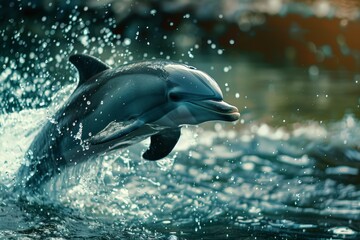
<point x="87" y="66"/>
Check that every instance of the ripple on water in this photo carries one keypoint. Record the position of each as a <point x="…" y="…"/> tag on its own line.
<point x="342" y="231"/>
<point x="242" y="183"/>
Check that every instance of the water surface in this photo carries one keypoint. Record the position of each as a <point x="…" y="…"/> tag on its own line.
<point x="289" y="168"/>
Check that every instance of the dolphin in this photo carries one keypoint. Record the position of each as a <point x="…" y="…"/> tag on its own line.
<point x="113" y="108"/>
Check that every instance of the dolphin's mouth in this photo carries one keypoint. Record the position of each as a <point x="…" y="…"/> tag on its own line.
<point x="222" y="109"/>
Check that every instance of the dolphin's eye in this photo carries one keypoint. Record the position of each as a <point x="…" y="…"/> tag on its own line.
<point x="174" y="97"/>
<point x="191" y="67"/>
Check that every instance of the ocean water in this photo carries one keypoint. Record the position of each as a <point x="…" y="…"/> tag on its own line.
<point x="288" y="169"/>
<point x="220" y="182"/>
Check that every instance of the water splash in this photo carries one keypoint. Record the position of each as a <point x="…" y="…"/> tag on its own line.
<point x="247" y="180"/>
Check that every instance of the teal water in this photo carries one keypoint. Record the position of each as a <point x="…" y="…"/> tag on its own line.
<point x="220" y="182"/>
<point x="288" y="169"/>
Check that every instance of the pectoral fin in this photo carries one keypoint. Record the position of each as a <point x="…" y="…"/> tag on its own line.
<point x="115" y="130"/>
<point x="162" y="144"/>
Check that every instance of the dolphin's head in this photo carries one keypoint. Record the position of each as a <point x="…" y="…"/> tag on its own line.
<point x="196" y="96"/>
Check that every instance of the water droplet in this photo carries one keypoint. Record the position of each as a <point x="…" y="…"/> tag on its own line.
<point x="227" y="68"/>
<point x="190" y="54"/>
<point x="127" y="41"/>
<point x="314" y="70"/>
<point x="153" y="12"/>
<point x="100" y="50"/>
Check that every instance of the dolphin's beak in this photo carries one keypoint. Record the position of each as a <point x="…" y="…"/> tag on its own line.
<point x="221" y="109"/>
